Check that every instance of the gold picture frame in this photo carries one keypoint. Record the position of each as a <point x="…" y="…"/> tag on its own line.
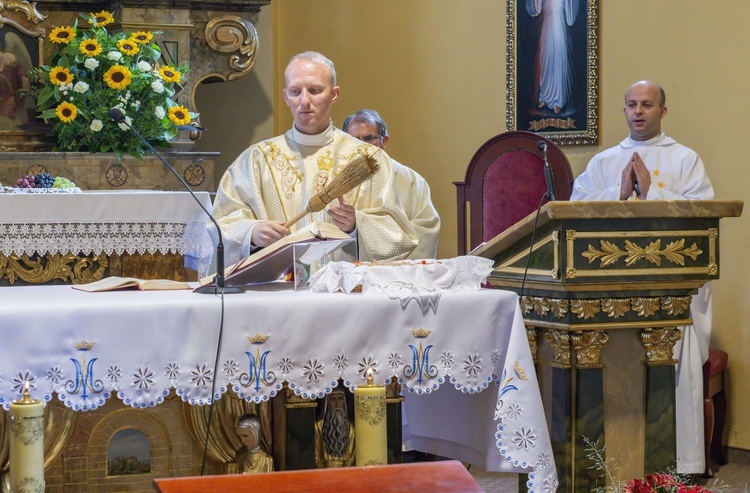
<point x="22" y="33"/>
<point x="552" y="79"/>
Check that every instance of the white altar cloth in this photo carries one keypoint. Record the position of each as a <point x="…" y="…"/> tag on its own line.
<point x="466" y="368"/>
<point x="106" y="221"/>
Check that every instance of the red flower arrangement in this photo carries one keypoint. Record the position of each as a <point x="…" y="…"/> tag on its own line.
<point x="661" y="483"/>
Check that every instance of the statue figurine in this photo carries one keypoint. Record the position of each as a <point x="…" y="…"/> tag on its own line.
<point x="334" y="433"/>
<point x="251" y="458"/>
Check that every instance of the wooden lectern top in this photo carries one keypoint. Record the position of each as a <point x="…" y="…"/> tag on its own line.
<point x="421" y="477"/>
<point x="605" y="209"/>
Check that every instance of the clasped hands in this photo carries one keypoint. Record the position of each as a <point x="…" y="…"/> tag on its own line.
<point x="635" y="170"/>
<point x="267" y="232"/>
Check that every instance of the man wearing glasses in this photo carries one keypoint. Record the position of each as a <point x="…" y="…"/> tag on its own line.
<point x="413" y="190"/>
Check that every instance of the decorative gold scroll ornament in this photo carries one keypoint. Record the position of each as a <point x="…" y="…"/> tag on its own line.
<point x="610" y="253"/>
<point x="235" y="35"/>
<point x="588" y="347"/>
<point x="40" y="270"/>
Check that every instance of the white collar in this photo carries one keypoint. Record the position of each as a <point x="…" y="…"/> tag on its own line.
<point x="316" y="140"/>
<point x="652" y="142"/>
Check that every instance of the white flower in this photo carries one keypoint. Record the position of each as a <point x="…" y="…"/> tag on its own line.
<point x="91" y="63"/>
<point x="144" y="66"/>
<point x="96" y="125"/>
<point x="81" y="87"/>
<point x="114" y="55"/>
<point x="126" y="124"/>
<point x="159" y="112"/>
<point x="157" y="87"/>
<point x="136" y="104"/>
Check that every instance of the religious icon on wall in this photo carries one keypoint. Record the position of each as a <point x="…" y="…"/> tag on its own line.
<point x="15" y="60"/>
<point x="22" y="35"/>
<point x="551" y="71"/>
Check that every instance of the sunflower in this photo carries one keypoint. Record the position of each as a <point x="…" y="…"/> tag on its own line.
<point x="60" y="75"/>
<point x="90" y="47"/>
<point x="179" y="115"/>
<point x="169" y="74"/>
<point x="102" y="18"/>
<point x="118" y="77"/>
<point x="66" y="112"/>
<point x="141" y="37"/>
<point x="62" y="34"/>
<point x="127" y="46"/>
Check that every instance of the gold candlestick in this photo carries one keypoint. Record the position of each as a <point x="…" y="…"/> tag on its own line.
<point x="370" y="435"/>
<point x="27" y="444"/>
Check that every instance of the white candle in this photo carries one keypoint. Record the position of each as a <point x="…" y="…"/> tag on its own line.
<point x="370" y="431"/>
<point x="27" y="444"/>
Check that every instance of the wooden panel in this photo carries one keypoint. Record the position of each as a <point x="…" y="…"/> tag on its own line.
<point x="422" y="477"/>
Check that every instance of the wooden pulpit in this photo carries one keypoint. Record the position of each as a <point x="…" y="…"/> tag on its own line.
<point x="605" y="289"/>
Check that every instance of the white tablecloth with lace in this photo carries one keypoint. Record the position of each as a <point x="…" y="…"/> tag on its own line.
<point x="463" y="361"/>
<point x="106" y="221"/>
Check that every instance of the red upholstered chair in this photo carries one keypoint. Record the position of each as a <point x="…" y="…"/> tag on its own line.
<point x="714" y="407"/>
<point x="504" y="183"/>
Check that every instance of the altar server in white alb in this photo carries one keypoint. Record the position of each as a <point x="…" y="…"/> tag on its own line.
<point x="272" y="181"/>
<point x="413" y="190"/>
<point x="648" y="165"/>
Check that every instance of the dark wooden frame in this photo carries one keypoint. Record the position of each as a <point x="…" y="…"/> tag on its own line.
<point x="522" y="112"/>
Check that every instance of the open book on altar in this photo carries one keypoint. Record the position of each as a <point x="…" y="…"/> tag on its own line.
<point x="306" y="245"/>
<point x="115" y="282"/>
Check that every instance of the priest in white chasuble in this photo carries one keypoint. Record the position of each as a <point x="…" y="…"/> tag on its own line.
<point x="271" y="182"/>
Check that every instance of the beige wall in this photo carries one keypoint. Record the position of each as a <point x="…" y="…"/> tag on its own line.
<point x="239" y="113"/>
<point x="435" y="69"/>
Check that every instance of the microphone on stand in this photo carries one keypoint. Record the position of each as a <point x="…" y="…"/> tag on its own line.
<point x="548" y="175"/>
<point x="119" y="117"/>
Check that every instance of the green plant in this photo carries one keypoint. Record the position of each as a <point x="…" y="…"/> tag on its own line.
<point x="667" y="482"/>
<point x="92" y="71"/>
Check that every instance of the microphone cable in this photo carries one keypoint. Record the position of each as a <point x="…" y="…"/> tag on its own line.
<point x="213" y="385"/>
<point x="118" y="116"/>
<point x="531" y="247"/>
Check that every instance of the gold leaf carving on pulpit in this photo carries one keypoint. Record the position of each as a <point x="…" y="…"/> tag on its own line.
<point x="675" y="305"/>
<point x="559" y="307"/>
<point x="659" y="345"/>
<point x="561" y="350"/>
<point x="588" y="347"/>
<point x="645" y="307"/>
<point x="527" y="304"/>
<point x="616" y="308"/>
<point x="585" y="308"/>
<point x="609" y="253"/>
<point x="531" y="336"/>
<point x="541" y="306"/>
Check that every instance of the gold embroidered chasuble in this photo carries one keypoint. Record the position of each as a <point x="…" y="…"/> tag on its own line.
<point x="274" y="179"/>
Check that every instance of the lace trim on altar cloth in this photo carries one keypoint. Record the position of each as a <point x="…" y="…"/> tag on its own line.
<point x="191" y="239"/>
<point x="420" y="280"/>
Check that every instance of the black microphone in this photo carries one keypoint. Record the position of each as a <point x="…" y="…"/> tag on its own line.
<point x="118" y="116"/>
<point x="548" y="175"/>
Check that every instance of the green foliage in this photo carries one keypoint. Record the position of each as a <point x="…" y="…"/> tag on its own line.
<point x="145" y="100"/>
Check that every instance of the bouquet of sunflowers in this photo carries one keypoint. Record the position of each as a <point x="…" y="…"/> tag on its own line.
<point x="93" y="71"/>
